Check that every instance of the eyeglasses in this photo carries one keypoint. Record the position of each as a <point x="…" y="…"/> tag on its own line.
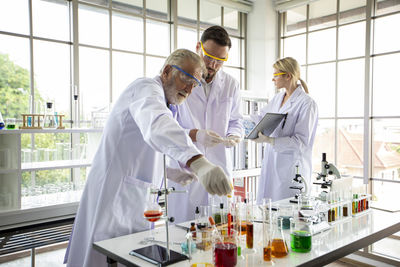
<point x="278" y="74"/>
<point x="211" y="58"/>
<point x="187" y="78"/>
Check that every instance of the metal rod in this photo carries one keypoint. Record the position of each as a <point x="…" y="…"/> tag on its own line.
<point x="166" y="205"/>
<point x="33" y="257"/>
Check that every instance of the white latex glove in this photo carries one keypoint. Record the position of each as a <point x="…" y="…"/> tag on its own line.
<point x="212" y="177"/>
<point x="181" y="176"/>
<point x="208" y="138"/>
<point x="264" y="139"/>
<point x="232" y="140"/>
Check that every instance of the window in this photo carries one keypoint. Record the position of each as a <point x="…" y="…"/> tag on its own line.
<point x="330" y="41"/>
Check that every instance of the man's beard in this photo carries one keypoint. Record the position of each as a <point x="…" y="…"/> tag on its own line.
<point x="210" y="76"/>
<point x="172" y="95"/>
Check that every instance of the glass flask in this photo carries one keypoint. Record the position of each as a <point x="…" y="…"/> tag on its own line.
<point x="152" y="210"/>
<point x="300" y="235"/>
<point x="224" y="246"/>
<point x="279" y="248"/>
<point x="285" y="211"/>
<point x="1" y="122"/>
<point x="50" y="120"/>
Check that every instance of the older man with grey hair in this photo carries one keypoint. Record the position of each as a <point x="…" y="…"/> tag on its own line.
<point x="140" y="129"/>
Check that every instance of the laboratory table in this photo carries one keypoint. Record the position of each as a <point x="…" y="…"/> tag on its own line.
<point x="342" y="239"/>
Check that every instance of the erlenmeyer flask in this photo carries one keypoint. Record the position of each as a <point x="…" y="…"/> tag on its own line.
<point x="278" y="245"/>
<point x="49" y="116"/>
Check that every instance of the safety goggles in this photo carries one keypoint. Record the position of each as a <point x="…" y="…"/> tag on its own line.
<point x="278" y="74"/>
<point x="187" y="78"/>
<point x="211" y="58"/>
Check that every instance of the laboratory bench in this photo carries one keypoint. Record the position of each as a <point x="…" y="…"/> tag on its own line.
<point x="340" y="240"/>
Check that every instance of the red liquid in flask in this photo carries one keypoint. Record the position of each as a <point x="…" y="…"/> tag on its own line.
<point x="152" y="213"/>
<point x="225" y="254"/>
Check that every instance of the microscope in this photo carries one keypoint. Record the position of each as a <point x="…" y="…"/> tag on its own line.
<point x="327" y="169"/>
<point x="300" y="180"/>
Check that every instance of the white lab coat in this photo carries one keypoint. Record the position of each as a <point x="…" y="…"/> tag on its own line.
<point x="293" y="145"/>
<point x="220" y="112"/>
<point x="129" y="159"/>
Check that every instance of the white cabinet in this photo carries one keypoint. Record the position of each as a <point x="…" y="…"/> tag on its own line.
<point x="22" y="169"/>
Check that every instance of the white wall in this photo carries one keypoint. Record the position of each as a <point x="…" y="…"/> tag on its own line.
<point x="262" y="47"/>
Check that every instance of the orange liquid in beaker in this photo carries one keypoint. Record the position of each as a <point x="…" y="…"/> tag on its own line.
<point x="149" y="214"/>
<point x="279" y="248"/>
<point x="267" y="253"/>
<point x="243" y="226"/>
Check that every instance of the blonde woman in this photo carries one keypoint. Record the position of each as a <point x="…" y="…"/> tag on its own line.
<point x="291" y="143"/>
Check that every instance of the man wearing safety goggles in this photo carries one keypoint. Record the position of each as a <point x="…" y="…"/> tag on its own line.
<point x="211" y="115"/>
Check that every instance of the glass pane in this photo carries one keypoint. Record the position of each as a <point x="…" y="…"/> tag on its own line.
<point x="14" y="66"/>
<point x="388" y="246"/>
<point x="386" y="149"/>
<point x="187" y="12"/>
<point x="385" y="195"/>
<point x="322" y="14"/>
<point x="93" y="26"/>
<point x="126" y="69"/>
<point x="97" y="2"/>
<point x="324" y="143"/>
<point x="233" y="71"/>
<point x="350" y="147"/>
<point x="231" y="18"/>
<point x="296" y="20"/>
<point x="351" y="88"/>
<point x="210" y="13"/>
<point x="132" y="6"/>
<point x="157" y="8"/>
<point x="352" y="40"/>
<point x="322" y="46"/>
<point x="385" y="93"/>
<point x="51" y="19"/>
<point x="52" y="75"/>
<point x="127" y="32"/>
<point x="351" y="10"/>
<point x="234" y="55"/>
<point x="295" y="47"/>
<point x="187" y="38"/>
<point x="153" y="66"/>
<point x="321" y="83"/>
<point x="157" y="33"/>
<point x="385" y="40"/>
<point x="14" y="16"/>
<point x="94" y="80"/>
<point x="385" y="6"/>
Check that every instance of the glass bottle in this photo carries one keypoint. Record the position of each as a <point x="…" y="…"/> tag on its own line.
<point x="49" y="116"/>
<point x="278" y="244"/>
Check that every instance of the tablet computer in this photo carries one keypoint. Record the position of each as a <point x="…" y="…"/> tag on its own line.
<point x="266" y="125"/>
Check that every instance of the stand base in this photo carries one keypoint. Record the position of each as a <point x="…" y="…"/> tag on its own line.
<point x="157" y="255"/>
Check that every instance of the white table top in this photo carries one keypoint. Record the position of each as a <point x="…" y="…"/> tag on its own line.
<point x="343" y="239"/>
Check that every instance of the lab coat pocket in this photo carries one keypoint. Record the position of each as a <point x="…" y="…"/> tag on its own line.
<point x="129" y="204"/>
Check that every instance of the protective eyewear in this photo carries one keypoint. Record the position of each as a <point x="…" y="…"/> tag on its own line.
<point x="278" y="74"/>
<point x="187" y="78"/>
<point x="211" y="57"/>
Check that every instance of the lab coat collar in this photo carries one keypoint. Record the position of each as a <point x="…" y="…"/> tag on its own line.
<point x="293" y="97"/>
<point x="157" y="78"/>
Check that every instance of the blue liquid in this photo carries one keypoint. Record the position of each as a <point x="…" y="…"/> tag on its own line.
<point x="1" y="125"/>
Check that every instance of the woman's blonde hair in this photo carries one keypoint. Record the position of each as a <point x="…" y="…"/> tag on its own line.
<point x="290" y="66"/>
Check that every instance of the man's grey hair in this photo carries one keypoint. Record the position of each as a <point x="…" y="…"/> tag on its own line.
<point x="179" y="56"/>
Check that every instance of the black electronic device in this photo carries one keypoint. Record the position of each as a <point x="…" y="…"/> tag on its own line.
<point x="267" y="125"/>
<point x="157" y="255"/>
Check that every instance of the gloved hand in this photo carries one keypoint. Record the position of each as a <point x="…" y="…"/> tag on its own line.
<point x="181" y="176"/>
<point x="264" y="139"/>
<point x="212" y="177"/>
<point x="232" y="140"/>
<point x="208" y="138"/>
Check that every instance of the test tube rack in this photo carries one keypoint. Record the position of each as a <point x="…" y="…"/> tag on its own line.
<point x="32" y="121"/>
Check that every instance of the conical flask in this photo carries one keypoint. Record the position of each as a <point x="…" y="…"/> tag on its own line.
<point x="49" y="116"/>
<point x="1" y="122"/>
<point x="278" y="244"/>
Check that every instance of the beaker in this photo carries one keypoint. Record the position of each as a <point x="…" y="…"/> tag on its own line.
<point x="285" y="212"/>
<point x="279" y="247"/>
<point x="50" y="120"/>
<point x="225" y="248"/>
<point x="300" y="235"/>
<point x="10" y="123"/>
<point x="1" y="122"/>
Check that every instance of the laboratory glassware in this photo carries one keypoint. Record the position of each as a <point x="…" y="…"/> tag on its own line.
<point x="267" y="229"/>
<point x="300" y="235"/>
<point x="50" y="120"/>
<point x="10" y="123"/>
<point x="225" y="248"/>
<point x="278" y="244"/>
<point x="152" y="210"/>
<point x="1" y="122"/>
<point x="285" y="212"/>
